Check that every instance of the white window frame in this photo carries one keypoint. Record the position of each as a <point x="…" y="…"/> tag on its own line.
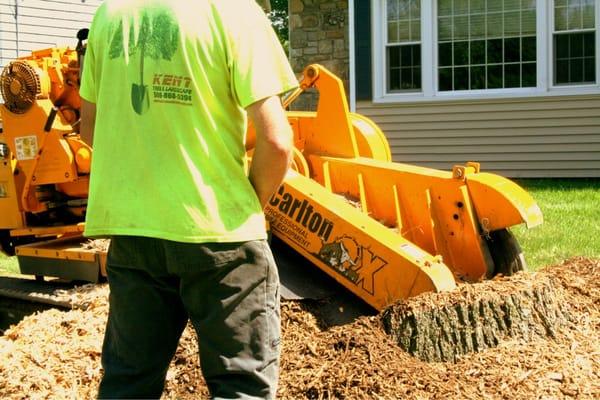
<point x="550" y="44"/>
<point x="429" y="44"/>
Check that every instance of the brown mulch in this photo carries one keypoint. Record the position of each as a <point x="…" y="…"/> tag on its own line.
<point x="56" y="354"/>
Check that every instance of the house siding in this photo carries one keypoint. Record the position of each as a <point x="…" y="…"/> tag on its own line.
<point x="27" y="25"/>
<point x="526" y="137"/>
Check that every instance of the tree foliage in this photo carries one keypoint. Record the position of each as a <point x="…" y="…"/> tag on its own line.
<point x="157" y="38"/>
<point x="279" y="19"/>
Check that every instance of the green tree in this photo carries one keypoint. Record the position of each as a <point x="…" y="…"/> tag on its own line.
<point x="158" y="38"/>
<point x="279" y="18"/>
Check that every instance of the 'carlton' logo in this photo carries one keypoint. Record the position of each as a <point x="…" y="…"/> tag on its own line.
<point x="345" y="254"/>
<point x="302" y="212"/>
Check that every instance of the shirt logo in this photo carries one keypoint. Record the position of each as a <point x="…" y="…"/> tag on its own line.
<point x="157" y="38"/>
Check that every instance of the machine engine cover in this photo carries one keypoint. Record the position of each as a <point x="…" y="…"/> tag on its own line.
<point x="19" y="85"/>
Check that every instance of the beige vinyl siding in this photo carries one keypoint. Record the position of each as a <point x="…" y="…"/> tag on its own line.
<point x="41" y="24"/>
<point x="556" y="136"/>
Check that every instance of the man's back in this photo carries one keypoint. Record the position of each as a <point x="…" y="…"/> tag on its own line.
<point x="166" y="87"/>
<point x="170" y="80"/>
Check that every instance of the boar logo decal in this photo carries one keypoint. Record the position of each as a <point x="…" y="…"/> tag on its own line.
<point x="342" y="255"/>
<point x="357" y="263"/>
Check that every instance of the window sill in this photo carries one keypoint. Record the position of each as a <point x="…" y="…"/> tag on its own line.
<point x="487" y="94"/>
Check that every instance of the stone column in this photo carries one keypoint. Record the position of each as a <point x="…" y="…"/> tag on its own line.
<point x="319" y="34"/>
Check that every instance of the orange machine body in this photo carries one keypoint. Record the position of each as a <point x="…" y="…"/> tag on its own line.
<point x="392" y="230"/>
<point x="384" y="230"/>
<point x="44" y="165"/>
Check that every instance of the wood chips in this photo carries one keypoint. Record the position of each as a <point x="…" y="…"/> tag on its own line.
<point x="56" y="354"/>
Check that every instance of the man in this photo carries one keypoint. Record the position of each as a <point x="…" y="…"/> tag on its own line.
<point x="166" y="88"/>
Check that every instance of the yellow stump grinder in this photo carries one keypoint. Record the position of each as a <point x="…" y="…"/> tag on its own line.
<point x="382" y="229"/>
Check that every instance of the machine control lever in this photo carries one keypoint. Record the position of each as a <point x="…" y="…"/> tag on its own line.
<point x="50" y="120"/>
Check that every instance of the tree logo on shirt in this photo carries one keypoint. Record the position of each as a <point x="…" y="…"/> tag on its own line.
<point x="157" y="38"/>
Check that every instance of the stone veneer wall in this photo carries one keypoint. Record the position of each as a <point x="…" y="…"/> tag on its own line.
<point x="319" y="34"/>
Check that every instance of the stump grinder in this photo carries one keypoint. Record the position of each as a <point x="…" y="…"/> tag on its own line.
<point x="382" y="229"/>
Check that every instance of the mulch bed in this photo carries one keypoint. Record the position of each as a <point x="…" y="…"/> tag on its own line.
<point x="56" y="354"/>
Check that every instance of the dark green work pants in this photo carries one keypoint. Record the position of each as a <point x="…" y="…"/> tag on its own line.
<point x="230" y="292"/>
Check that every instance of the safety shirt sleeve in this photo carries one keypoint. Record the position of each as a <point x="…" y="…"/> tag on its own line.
<point x="259" y="67"/>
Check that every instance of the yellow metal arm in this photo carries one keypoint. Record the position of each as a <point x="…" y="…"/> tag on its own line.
<point x="501" y="203"/>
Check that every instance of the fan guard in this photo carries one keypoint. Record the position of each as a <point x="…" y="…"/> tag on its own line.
<point x="19" y="85"/>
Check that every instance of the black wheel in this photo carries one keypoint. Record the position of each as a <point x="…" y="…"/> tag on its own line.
<point x="8" y="243"/>
<point x="506" y="253"/>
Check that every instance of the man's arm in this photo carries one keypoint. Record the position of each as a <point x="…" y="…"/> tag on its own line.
<point x="273" y="151"/>
<point x="88" y="120"/>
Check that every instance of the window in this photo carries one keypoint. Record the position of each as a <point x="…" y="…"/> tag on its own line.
<point x="486" y="44"/>
<point x="574" y="42"/>
<point x="403" y="45"/>
<point x="427" y="49"/>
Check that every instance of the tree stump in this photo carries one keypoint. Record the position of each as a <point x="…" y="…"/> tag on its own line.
<point x="443" y="326"/>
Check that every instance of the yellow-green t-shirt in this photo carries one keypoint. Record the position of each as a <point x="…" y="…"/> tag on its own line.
<point x="171" y="80"/>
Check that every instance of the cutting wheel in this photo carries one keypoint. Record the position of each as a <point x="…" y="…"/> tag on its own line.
<point x="506" y="253"/>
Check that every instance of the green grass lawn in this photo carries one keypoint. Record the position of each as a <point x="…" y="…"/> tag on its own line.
<point x="8" y="265"/>
<point x="571" y="209"/>
<point x="571" y="227"/>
